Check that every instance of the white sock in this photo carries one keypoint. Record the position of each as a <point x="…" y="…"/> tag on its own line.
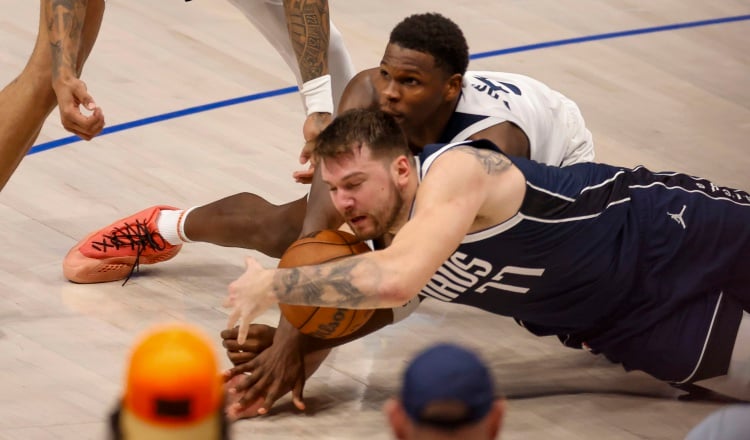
<point x="171" y="225"/>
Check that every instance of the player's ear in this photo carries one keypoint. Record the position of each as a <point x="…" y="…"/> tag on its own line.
<point x="397" y="418"/>
<point x="496" y="415"/>
<point x="453" y="86"/>
<point x="402" y="169"/>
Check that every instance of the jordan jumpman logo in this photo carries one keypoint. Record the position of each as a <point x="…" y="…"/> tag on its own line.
<point x="678" y="217"/>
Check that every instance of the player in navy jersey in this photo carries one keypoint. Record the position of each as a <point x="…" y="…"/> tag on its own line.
<point x="650" y="269"/>
<point x="422" y="81"/>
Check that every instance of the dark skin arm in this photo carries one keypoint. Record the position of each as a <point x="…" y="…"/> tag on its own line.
<point x="506" y="135"/>
<point x="309" y="25"/>
<point x="360" y="92"/>
<point x="260" y="337"/>
<point x="65" y="22"/>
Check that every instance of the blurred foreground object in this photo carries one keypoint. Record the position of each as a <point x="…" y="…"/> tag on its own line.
<point x="173" y="389"/>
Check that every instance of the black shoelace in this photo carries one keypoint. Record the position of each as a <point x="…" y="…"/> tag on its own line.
<point x="137" y="237"/>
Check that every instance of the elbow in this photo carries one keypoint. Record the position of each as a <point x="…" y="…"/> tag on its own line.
<point x="395" y="293"/>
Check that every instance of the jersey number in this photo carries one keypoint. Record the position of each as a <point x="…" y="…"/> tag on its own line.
<point x="510" y="270"/>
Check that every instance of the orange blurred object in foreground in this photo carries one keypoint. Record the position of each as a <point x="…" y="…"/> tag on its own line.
<point x="173" y="387"/>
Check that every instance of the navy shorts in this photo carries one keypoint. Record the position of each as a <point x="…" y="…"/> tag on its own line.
<point x="680" y="322"/>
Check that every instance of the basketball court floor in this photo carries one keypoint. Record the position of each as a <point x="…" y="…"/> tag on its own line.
<point x="664" y="84"/>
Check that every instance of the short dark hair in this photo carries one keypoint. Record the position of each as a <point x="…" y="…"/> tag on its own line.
<point x="436" y="35"/>
<point x="357" y="127"/>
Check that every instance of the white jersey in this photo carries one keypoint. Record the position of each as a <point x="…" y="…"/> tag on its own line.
<point x="553" y="123"/>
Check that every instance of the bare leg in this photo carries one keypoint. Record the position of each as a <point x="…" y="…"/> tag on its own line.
<point x="26" y="101"/>
<point x="248" y="221"/>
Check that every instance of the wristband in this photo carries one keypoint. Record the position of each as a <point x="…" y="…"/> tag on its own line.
<point x="317" y="95"/>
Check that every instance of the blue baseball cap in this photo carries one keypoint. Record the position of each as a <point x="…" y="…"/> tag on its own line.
<point x="447" y="386"/>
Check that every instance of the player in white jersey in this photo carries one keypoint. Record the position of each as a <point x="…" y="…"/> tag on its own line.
<point x="552" y="122"/>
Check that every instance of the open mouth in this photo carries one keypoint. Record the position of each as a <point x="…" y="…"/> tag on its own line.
<point x="357" y="220"/>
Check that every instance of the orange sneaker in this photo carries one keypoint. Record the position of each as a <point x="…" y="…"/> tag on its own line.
<point x="114" y="253"/>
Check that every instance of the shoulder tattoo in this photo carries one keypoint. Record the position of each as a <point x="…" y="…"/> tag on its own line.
<point x="492" y="161"/>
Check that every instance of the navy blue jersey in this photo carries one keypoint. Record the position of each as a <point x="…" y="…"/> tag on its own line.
<point x="601" y="253"/>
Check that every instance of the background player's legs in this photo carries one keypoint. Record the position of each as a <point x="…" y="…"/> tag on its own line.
<point x="268" y="17"/>
<point x="248" y="221"/>
<point x="27" y="100"/>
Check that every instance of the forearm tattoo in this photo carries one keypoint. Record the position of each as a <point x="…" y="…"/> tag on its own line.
<point x="330" y="285"/>
<point x="309" y="29"/>
<point x="64" y="23"/>
<point x="492" y="161"/>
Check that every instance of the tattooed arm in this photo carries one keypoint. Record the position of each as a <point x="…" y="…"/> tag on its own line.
<point x="465" y="190"/>
<point x="65" y="21"/>
<point x="309" y="27"/>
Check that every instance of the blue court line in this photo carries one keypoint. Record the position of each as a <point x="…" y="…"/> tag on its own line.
<point x="669" y="27"/>
<point x="286" y="90"/>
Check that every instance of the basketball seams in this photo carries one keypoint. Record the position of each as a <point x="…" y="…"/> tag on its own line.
<point x="337" y="245"/>
<point x="309" y="317"/>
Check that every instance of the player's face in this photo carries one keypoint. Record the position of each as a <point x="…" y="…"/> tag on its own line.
<point x="410" y="87"/>
<point x="364" y="192"/>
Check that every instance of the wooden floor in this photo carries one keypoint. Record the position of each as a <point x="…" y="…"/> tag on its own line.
<point x="677" y="99"/>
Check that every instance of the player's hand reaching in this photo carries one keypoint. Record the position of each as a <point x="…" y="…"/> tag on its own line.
<point x="258" y="338"/>
<point x="275" y="371"/>
<point x="249" y="296"/>
<point x="71" y="94"/>
<point x="314" y="124"/>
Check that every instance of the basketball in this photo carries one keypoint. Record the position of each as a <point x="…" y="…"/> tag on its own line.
<point x="324" y="322"/>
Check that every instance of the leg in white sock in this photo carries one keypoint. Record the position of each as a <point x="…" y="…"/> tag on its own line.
<point x="171" y="225"/>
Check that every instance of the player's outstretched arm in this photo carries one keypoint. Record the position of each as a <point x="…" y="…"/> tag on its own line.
<point x="283" y="365"/>
<point x="447" y="207"/>
<point x="447" y="204"/>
